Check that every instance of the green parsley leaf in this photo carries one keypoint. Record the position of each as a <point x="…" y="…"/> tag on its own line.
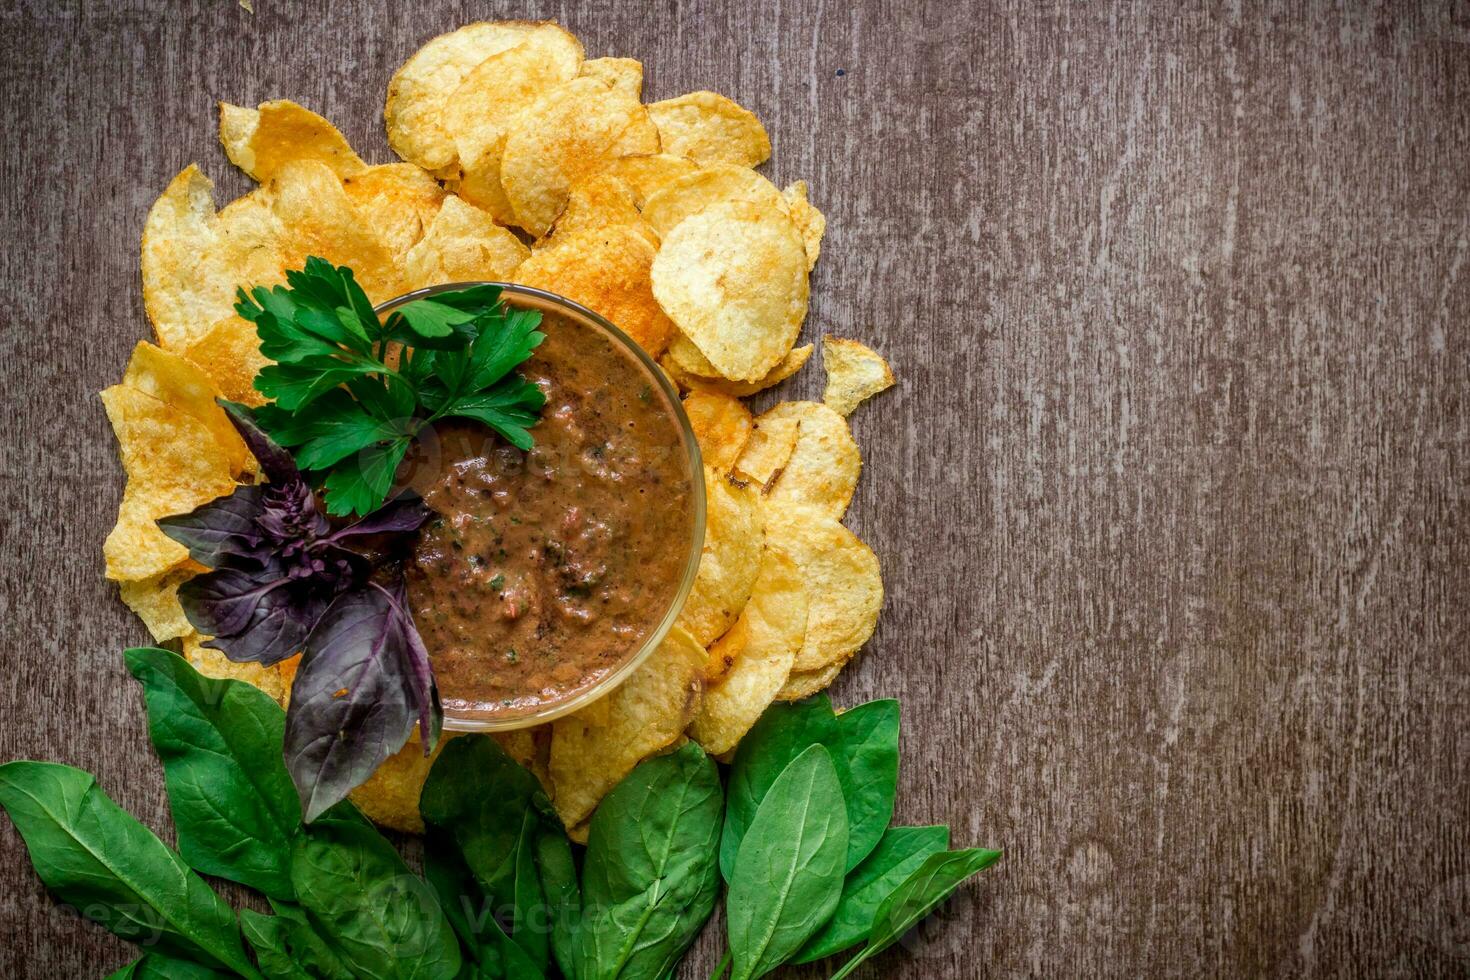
<point x="348" y="411"/>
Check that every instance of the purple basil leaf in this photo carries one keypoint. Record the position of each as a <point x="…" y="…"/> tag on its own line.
<point x="222" y="529"/>
<point x="406" y="512"/>
<point x="261" y="616"/>
<point x="275" y="462"/>
<point x="356" y="697"/>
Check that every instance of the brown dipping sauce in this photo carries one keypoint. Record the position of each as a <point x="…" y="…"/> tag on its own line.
<point x="544" y="571"/>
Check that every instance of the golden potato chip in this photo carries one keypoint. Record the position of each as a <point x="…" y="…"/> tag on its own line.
<point x="229" y="352"/>
<point x="248" y="249"/>
<point x="318" y="218"/>
<point x="717" y="183"/>
<point x="398" y="201"/>
<point x="177" y="382"/>
<point x="482" y="110"/>
<point x="156" y="601"/>
<point x="721" y="424"/>
<point x="463" y="244"/>
<point x="689" y="360"/>
<point x="805" y="683"/>
<point x="793" y="362"/>
<point x="571" y="132"/>
<point x="752" y="661"/>
<point x="809" y="221"/>
<point x="608" y="272"/>
<point x="646" y="713"/>
<point x="766" y="452"/>
<point x="844" y="585"/>
<point x="625" y="74"/>
<point x="273" y="680"/>
<point x="646" y="173"/>
<point x="709" y="128"/>
<point x="390" y="796"/>
<point x="419" y="91"/>
<point x="261" y="141"/>
<point x="823" y="468"/>
<point x="854" y="374"/>
<point x="733" y="278"/>
<point x="730" y="560"/>
<point x="173" y="464"/>
<point x="180" y="290"/>
<point x="595" y="203"/>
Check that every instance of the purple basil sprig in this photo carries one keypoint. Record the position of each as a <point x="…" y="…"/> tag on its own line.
<point x="284" y="581"/>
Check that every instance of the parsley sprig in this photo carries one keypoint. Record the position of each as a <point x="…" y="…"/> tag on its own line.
<point x="349" y="392"/>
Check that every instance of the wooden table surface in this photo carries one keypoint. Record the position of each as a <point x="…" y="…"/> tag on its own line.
<point x="1171" y="499"/>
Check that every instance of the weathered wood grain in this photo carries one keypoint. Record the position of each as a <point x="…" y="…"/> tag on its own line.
<point x="1172" y="498"/>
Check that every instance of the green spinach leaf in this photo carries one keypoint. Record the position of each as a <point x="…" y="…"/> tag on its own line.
<point x="97" y="858"/>
<point x="901" y="850"/>
<point x="232" y="801"/>
<point x="651" y="874"/>
<point x="509" y="835"/>
<point x="788" y="874"/>
<point x="918" y="895"/>
<point x="382" y="920"/>
<point x="864" y="747"/>
<point x="154" y="966"/>
<point x="287" y="946"/>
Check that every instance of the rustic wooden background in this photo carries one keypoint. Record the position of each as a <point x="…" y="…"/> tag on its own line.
<point x="1172" y="498"/>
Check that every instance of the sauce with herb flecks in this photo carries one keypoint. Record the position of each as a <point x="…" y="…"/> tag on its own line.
<point x="543" y="571"/>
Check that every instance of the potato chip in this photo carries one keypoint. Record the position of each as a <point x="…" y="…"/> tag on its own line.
<point x="175" y="381"/>
<point x="752" y="661"/>
<point x="261" y="141"/>
<point x="709" y="128"/>
<point x="390" y="796"/>
<point x="805" y="683"/>
<point x="765" y="454"/>
<point x="318" y="218"/>
<point x="730" y="560"/>
<point x="646" y="713"/>
<point x="646" y="173"/>
<point x="689" y="360"/>
<point x="274" y="680"/>
<point x="156" y="601"/>
<point x="595" y="203"/>
<point x="793" y="362"/>
<point x="844" y="585"/>
<point x="809" y="221"/>
<point x="824" y="465"/>
<point x="463" y="244"/>
<point x="855" y="373"/>
<point x="717" y="183"/>
<point x="179" y="293"/>
<point x="248" y="248"/>
<point x="482" y="110"/>
<point x="608" y="272"/>
<point x="625" y="74"/>
<point x="229" y="352"/>
<point x="174" y="464"/>
<point x="398" y="201"/>
<point x="571" y="132"/>
<point x="733" y="278"/>
<point x="721" y="424"/>
<point x="419" y="91"/>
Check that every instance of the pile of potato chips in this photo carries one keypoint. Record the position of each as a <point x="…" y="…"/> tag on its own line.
<point x="526" y="162"/>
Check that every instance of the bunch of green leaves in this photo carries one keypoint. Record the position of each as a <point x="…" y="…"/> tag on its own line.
<point x="813" y="866"/>
<point x="800" y="833"/>
<point x="349" y="392"/>
<point x="345" y="904"/>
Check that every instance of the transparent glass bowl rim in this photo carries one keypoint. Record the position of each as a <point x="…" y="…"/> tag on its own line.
<point x="529" y="297"/>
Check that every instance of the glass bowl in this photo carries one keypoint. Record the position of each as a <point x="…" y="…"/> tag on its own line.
<point x="525" y="297"/>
